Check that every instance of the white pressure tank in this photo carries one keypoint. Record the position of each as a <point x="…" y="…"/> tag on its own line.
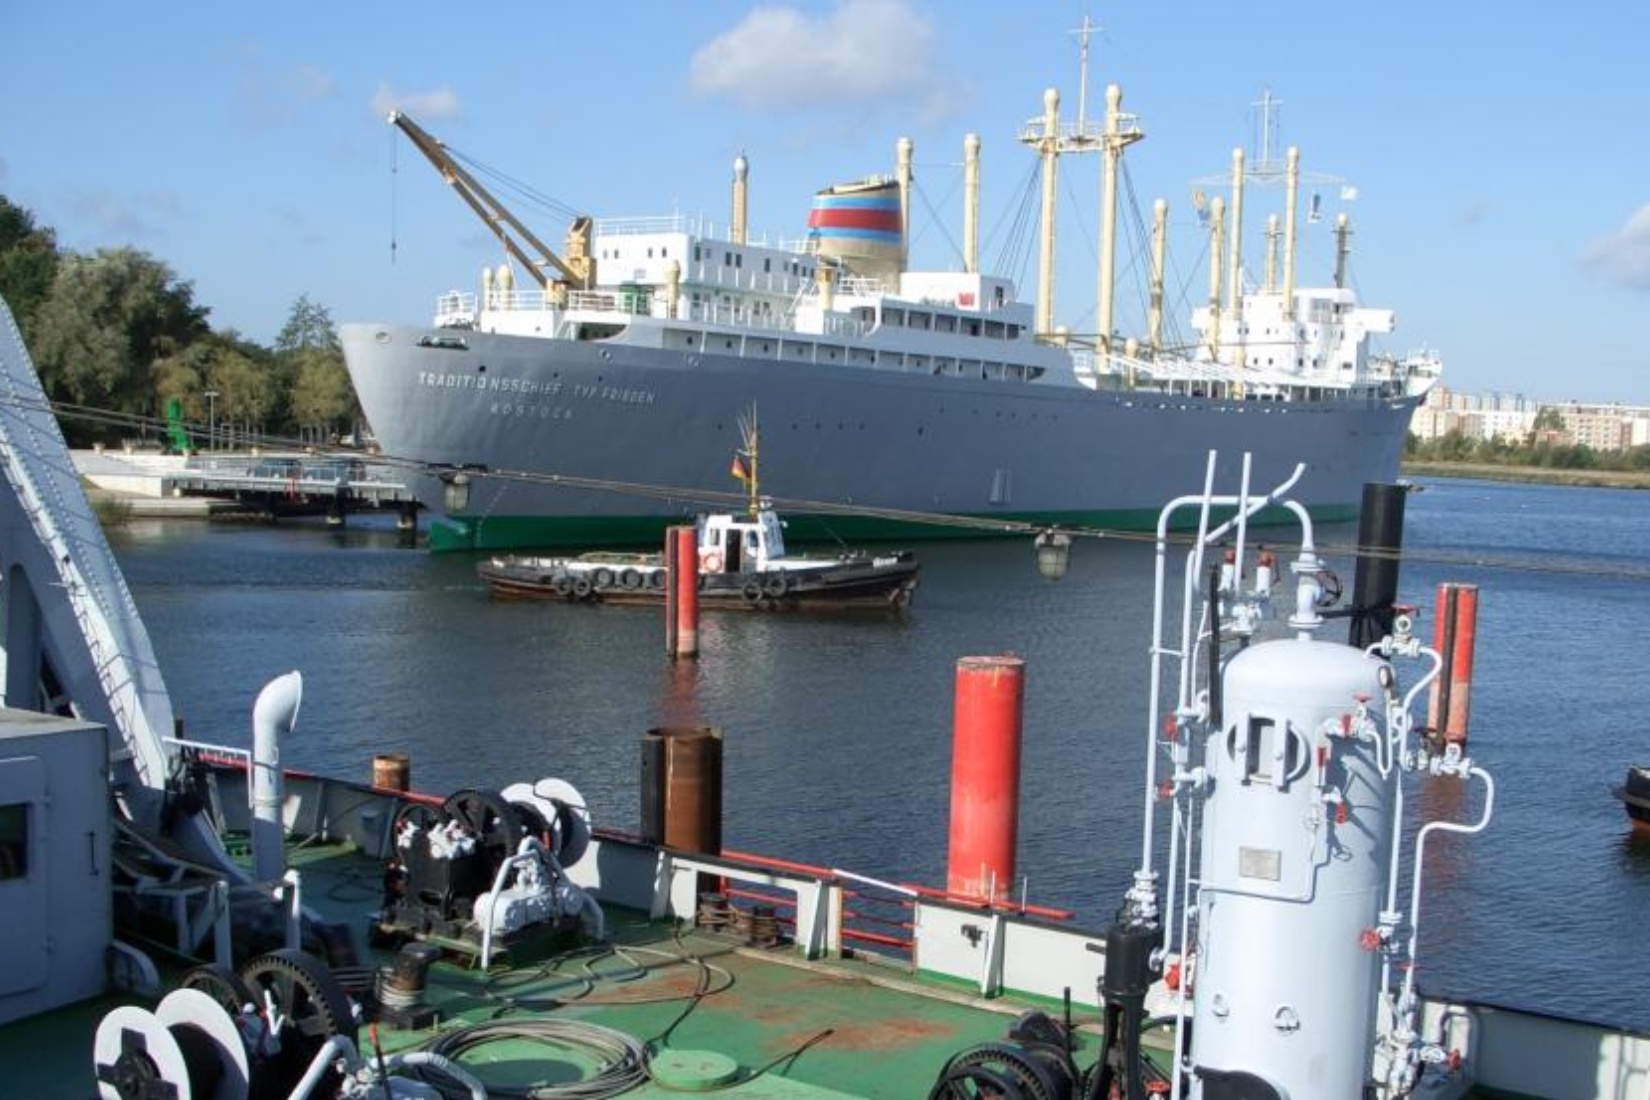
<point x="1295" y="847"/>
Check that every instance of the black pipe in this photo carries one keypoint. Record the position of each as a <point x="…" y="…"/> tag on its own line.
<point x="1122" y="1070"/>
<point x="1375" y="584"/>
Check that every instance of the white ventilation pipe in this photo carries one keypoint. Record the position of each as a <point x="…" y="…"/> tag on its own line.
<point x="274" y="715"/>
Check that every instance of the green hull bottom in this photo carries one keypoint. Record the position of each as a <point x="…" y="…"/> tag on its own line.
<point x="588" y="532"/>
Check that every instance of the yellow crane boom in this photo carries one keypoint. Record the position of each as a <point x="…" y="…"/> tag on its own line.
<point x="577" y="270"/>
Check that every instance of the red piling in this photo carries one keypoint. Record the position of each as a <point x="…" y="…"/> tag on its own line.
<point x="684" y="583"/>
<point x="1454" y="638"/>
<point x="985" y="775"/>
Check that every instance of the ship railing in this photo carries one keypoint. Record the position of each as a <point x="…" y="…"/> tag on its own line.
<point x="455" y="310"/>
<point x="733" y="315"/>
<point x="693" y="225"/>
<point x="861" y="286"/>
<point x="658" y="223"/>
<point x="1203" y="377"/>
<point x="863" y="915"/>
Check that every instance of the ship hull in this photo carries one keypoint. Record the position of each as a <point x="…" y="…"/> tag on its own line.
<point x="604" y="443"/>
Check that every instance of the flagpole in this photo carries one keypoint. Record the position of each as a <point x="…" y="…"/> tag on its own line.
<point x="751" y="487"/>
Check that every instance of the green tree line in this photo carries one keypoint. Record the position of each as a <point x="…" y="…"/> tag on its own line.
<point x="1537" y="450"/>
<point x="118" y="332"/>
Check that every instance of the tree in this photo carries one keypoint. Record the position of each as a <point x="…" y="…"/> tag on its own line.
<point x="308" y="326"/>
<point x="247" y="394"/>
<point x="28" y="263"/>
<point x="312" y="368"/>
<point x="1547" y="419"/>
<point x="322" y="397"/>
<point x="105" y="322"/>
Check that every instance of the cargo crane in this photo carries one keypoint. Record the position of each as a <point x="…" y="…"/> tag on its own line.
<point x="577" y="271"/>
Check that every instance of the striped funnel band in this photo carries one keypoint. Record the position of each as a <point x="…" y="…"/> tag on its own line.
<point x="870" y="215"/>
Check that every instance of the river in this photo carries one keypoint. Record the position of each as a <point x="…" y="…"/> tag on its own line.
<point x="838" y="730"/>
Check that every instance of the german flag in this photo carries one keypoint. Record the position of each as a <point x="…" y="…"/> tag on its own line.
<point x="740" y="469"/>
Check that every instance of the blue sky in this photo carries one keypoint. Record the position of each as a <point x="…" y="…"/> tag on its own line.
<point x="1501" y="154"/>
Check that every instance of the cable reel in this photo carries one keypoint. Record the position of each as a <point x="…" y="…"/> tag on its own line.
<point x="210" y="1038"/>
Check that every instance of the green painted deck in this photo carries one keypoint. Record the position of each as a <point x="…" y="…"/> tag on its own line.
<point x="787" y="1029"/>
<point x="794" y="1029"/>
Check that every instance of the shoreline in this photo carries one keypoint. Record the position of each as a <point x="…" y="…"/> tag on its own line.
<point x="1530" y="475"/>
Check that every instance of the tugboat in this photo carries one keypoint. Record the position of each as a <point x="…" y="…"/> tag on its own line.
<point x="741" y="559"/>
<point x="1635" y="796"/>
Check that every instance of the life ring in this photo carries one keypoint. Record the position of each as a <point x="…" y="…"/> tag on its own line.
<point x="776" y="585"/>
<point x="752" y="591"/>
<point x="710" y="561"/>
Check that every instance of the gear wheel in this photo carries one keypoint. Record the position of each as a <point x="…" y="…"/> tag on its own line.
<point x="309" y="999"/>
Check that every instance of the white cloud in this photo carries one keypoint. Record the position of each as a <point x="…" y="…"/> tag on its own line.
<point x="861" y="51"/>
<point x="277" y="97"/>
<point x="1623" y="256"/>
<point x="438" y="104"/>
<point x="126" y="219"/>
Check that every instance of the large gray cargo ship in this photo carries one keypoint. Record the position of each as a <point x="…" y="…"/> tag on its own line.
<point x="599" y="404"/>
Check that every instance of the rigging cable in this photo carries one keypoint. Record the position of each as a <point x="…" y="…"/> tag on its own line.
<point x="799" y="506"/>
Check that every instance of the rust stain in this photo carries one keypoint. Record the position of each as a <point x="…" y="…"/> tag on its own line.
<point x="881" y="1035"/>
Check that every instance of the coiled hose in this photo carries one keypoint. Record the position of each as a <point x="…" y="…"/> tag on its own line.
<point x="621" y="1057"/>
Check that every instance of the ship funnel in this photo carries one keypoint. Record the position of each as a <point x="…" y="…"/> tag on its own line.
<point x="859" y="225"/>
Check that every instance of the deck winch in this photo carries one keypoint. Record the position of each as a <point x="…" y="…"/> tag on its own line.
<point x="488" y="868"/>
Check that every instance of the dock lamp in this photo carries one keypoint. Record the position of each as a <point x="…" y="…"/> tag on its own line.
<point x="1053" y="554"/>
<point x="211" y="419"/>
<point x="455" y="491"/>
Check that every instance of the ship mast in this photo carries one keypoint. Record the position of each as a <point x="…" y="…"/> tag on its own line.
<point x="971" y="203"/>
<point x="1050" y="140"/>
<point x="1265" y="168"/>
<point x="1121" y="131"/>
